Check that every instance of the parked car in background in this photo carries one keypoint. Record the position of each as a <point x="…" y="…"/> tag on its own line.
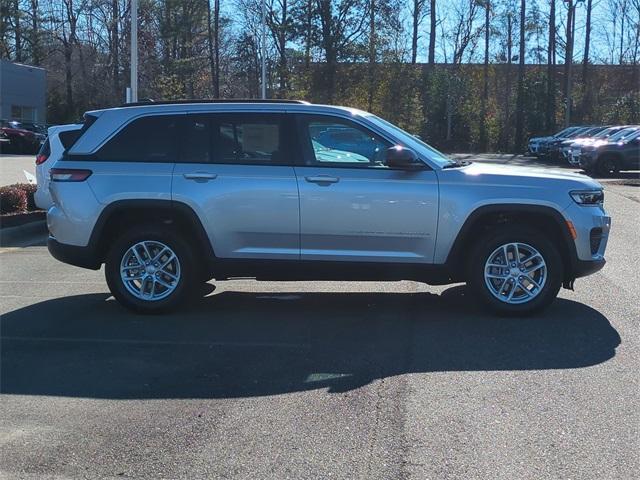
<point x="536" y="142"/>
<point x="21" y="139"/>
<point x="4" y="141"/>
<point x="551" y="148"/>
<point x="620" y="152"/>
<point x="564" y="148"/>
<point x="170" y="194"/>
<point x="59" y="139"/>
<point x="573" y="156"/>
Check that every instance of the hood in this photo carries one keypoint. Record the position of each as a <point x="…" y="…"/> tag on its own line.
<point x="528" y="176"/>
<point x="538" y="139"/>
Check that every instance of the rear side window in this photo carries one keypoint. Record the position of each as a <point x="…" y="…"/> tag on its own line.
<point x="69" y="137"/>
<point x="147" y="139"/>
<point x="241" y="139"/>
<point x="45" y="149"/>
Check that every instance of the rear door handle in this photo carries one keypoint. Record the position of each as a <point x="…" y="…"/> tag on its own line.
<point x="200" y="176"/>
<point x="322" y="179"/>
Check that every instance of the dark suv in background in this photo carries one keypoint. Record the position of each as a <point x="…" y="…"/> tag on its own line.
<point x="620" y="152"/>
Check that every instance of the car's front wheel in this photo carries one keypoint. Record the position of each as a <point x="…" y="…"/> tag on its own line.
<point x="515" y="271"/>
<point x="150" y="269"/>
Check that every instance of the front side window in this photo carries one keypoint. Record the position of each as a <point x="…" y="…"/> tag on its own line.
<point x="338" y="142"/>
<point x="147" y="139"/>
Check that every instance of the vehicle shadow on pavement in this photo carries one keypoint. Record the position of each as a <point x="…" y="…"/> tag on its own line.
<point x="236" y="344"/>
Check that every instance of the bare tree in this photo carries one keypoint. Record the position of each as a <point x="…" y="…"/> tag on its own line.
<point x="417" y="16"/>
<point x="551" y="69"/>
<point x="432" y="32"/>
<point x="520" y="95"/>
<point x="485" y="76"/>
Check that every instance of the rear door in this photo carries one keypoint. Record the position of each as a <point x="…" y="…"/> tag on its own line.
<point x="236" y="172"/>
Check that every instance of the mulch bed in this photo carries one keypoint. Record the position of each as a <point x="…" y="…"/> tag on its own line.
<point x="16" y="219"/>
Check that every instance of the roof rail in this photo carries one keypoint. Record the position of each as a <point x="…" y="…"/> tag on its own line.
<point x="225" y="100"/>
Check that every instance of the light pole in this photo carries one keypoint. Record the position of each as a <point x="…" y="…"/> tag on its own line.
<point x="134" y="51"/>
<point x="263" y="49"/>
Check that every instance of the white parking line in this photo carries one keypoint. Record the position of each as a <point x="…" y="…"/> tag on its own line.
<point x="124" y="341"/>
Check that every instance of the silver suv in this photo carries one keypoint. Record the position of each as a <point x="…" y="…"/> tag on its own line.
<point x="170" y="194"/>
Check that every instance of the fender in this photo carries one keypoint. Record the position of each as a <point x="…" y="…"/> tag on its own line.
<point x="568" y="247"/>
<point x="179" y="209"/>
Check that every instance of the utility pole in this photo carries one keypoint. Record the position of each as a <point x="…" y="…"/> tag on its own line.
<point x="134" y="51"/>
<point x="263" y="45"/>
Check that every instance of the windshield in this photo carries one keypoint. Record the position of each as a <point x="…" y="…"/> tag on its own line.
<point x="622" y="134"/>
<point x="565" y="132"/>
<point x="412" y="142"/>
<point x="607" y="132"/>
<point x="633" y="136"/>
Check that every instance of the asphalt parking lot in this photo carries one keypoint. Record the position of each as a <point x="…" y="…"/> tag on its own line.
<point x="321" y="380"/>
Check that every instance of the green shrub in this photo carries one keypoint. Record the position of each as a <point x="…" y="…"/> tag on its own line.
<point x="13" y="200"/>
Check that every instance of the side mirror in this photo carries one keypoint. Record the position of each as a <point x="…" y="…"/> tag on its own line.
<point x="400" y="157"/>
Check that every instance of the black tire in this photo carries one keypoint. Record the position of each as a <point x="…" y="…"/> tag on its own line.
<point x="167" y="236"/>
<point x="492" y="240"/>
<point x="606" y="165"/>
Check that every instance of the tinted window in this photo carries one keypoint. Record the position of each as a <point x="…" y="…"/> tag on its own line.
<point x="197" y="140"/>
<point x="69" y="137"/>
<point x="45" y="148"/>
<point x="339" y="142"/>
<point x="250" y="139"/>
<point x="148" y="139"/>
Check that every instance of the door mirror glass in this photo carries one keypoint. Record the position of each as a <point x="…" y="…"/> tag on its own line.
<point x="401" y="157"/>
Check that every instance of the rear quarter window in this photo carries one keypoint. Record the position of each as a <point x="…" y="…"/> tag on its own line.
<point x="69" y="137"/>
<point x="146" y="139"/>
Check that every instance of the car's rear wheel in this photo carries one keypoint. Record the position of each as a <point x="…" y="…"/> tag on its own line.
<point x="150" y="269"/>
<point x="607" y="165"/>
<point x="515" y="271"/>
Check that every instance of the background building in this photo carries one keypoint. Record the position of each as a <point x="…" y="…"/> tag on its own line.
<point x="23" y="92"/>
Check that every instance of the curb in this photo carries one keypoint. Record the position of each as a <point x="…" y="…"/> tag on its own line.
<point x="12" y="235"/>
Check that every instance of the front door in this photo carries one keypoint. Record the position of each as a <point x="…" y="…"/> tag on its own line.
<point x="355" y="208"/>
<point x="235" y="172"/>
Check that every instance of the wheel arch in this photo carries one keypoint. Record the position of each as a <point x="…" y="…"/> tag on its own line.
<point x="122" y="213"/>
<point x="544" y="218"/>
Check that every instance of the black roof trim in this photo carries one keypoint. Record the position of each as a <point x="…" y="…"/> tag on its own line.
<point x="226" y="100"/>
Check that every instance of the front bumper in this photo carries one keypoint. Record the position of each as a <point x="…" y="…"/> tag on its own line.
<point x="582" y="268"/>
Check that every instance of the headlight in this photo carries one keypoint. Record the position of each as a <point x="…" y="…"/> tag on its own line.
<point x="588" y="197"/>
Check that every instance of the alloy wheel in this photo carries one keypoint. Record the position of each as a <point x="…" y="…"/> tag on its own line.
<point x="150" y="270"/>
<point x="515" y="273"/>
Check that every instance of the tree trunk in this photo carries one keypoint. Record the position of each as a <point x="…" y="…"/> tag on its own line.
<point x="212" y="61"/>
<point x="36" y="57"/>
<point x="586" y="104"/>
<point x="506" y="128"/>
<point x="282" y="40"/>
<point x="432" y="33"/>
<point x="520" y="95"/>
<point x="17" y="31"/>
<point x="216" y="48"/>
<point x="414" y="34"/>
<point x="484" y="141"/>
<point x="568" y="63"/>
<point x="115" y="35"/>
<point x="551" y="70"/>
<point x="372" y="52"/>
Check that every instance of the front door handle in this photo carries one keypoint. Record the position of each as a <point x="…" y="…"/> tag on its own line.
<point x="322" y="179"/>
<point x="200" y="176"/>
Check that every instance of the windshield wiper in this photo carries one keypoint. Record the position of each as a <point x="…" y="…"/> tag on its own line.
<point x="457" y="164"/>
